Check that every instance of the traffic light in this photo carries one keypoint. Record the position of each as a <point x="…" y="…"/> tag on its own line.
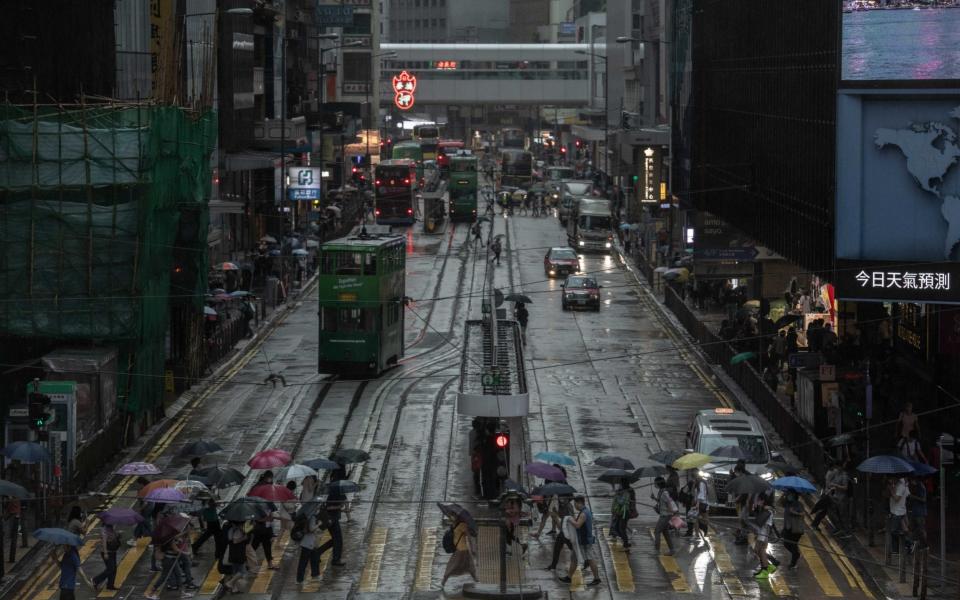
<point x="578" y="143"/>
<point x="38" y="407"/>
<point x="624" y="120"/>
<point x="563" y="150"/>
<point x="501" y="440"/>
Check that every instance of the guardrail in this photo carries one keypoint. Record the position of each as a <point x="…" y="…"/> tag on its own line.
<point x="800" y="439"/>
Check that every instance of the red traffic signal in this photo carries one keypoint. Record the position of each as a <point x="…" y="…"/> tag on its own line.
<point x="501" y="440"/>
<point x="563" y="149"/>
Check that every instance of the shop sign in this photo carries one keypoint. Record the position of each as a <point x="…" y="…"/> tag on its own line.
<point x="334" y="14"/>
<point x="304" y="183"/>
<point x="714" y="239"/>
<point x="404" y="85"/>
<point x="937" y="283"/>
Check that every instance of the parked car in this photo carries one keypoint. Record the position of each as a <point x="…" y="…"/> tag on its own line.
<point x="561" y="261"/>
<point x="580" y="291"/>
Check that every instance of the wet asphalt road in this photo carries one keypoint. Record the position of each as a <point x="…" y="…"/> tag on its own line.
<point x="611" y="382"/>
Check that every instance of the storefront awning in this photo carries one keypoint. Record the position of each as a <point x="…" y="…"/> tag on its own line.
<point x="590" y="134"/>
<point x="250" y="161"/>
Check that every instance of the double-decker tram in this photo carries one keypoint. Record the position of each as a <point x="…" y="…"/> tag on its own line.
<point x="462" y="188"/>
<point x="394" y="191"/>
<point x="361" y="286"/>
<point x="516" y="168"/>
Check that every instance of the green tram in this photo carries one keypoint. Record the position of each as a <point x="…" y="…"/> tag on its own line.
<point x="462" y="188"/>
<point x="361" y="288"/>
<point x="411" y="150"/>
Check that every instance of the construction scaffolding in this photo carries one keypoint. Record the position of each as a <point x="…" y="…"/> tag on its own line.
<point x="90" y="204"/>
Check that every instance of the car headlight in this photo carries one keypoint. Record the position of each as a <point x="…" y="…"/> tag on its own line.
<point x="582" y="242"/>
<point x="608" y="244"/>
<point x="705" y="474"/>
<point x="766" y="476"/>
<point x="552" y="272"/>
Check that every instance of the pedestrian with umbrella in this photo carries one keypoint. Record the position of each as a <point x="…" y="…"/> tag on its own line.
<point x="459" y="544"/>
<point x="563" y="510"/>
<point x="306" y="531"/>
<point x="109" y="545"/>
<point x="622" y="509"/>
<point x="792" y="525"/>
<point x="522" y="315"/>
<point x="67" y="559"/>
<point x="697" y="507"/>
<point x="334" y="506"/>
<point x="834" y="495"/>
<point x="763" y="528"/>
<point x="233" y="563"/>
<point x="667" y="508"/>
<point x="211" y="528"/>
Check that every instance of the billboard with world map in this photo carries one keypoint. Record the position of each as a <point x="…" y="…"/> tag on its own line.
<point x="902" y="40"/>
<point x="898" y="176"/>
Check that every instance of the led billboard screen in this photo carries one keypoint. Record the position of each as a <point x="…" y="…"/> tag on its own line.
<point x="900" y="40"/>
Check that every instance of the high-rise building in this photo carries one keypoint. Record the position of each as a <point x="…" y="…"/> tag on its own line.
<point x="425" y="21"/>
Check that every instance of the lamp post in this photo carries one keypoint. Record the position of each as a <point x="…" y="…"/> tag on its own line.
<point x="323" y="75"/>
<point x="606" y="107"/>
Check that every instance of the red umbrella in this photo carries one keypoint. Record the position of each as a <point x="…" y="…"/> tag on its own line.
<point x="272" y="492"/>
<point x="269" y="459"/>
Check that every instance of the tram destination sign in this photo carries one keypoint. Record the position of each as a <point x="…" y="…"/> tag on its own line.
<point x="934" y="283"/>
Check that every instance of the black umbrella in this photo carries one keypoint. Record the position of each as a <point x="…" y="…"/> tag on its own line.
<point x="614" y="462"/>
<point x="519" y="298"/>
<point x="344" y="486"/>
<point x="220" y="477"/>
<point x="844" y="439"/>
<point x="200" y="448"/>
<point x="747" y="484"/>
<point x="321" y="464"/>
<point x="651" y="471"/>
<point x="554" y="489"/>
<point x="8" y="488"/>
<point x="784" y="467"/>
<point x="667" y="457"/>
<point x="615" y="476"/>
<point x="247" y="508"/>
<point x="733" y="452"/>
<point x="458" y="513"/>
<point x="345" y="456"/>
<point x="314" y="508"/>
<point x="513" y="486"/>
<point x="786" y="320"/>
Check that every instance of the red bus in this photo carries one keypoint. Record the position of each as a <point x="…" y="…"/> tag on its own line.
<point x="446" y="148"/>
<point x="394" y="188"/>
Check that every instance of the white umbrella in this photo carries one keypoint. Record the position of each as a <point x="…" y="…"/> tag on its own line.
<point x="299" y="252"/>
<point x="661" y="269"/>
<point x="295" y="472"/>
<point x="209" y="311"/>
<point x="189" y="487"/>
<point x="269" y="239"/>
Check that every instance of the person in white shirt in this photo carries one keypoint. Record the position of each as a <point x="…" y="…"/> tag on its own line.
<point x="897" y="522"/>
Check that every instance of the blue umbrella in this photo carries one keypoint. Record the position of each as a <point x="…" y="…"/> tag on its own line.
<point x="920" y="469"/>
<point x="624" y="225"/>
<point x="796" y="484"/>
<point x="555" y="457"/>
<point x="885" y="465"/>
<point x="321" y="464"/>
<point x="55" y="535"/>
<point x="26" y="452"/>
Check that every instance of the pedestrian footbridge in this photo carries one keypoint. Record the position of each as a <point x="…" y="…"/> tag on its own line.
<point x="507" y="74"/>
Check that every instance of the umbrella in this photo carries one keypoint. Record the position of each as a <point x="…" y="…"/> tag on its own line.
<point x="169" y="527"/>
<point x="694" y="460"/>
<point x="269" y="239"/>
<point x="513" y="486"/>
<point x="885" y="465"/>
<point x="321" y="464"/>
<point x="650" y="471"/>
<point x="624" y="226"/>
<point x="272" y="492"/>
<point x="558" y="458"/>
<point x="165" y="495"/>
<point x="661" y="269"/>
<point x="921" y="469"/>
<point x="458" y="513"/>
<point x="343" y="486"/>
<point x="138" y="468"/>
<point x="245" y="509"/>
<point x="614" y="462"/>
<point x="55" y="535"/>
<point x="747" y="484"/>
<point x="26" y="452"/>
<point x="667" y="457"/>
<point x="240" y="294"/>
<point x="518" y="298"/>
<point x="156" y="485"/>
<point x="9" y="488"/>
<point x="221" y="477"/>
<point x="554" y="489"/>
<point x="844" y="439"/>
<point x="545" y="471"/>
<point x="200" y="448"/>
<point x="615" y="476"/>
<point x="227" y="266"/>
<point x="752" y="304"/>
<point x="680" y="274"/>
<point x="784" y="467"/>
<point x="120" y="516"/>
<point x="313" y="243"/>
<point x="190" y="487"/>
<point x="733" y="452"/>
<point x="209" y="311"/>
<point x="743" y="356"/>
<point x="295" y="472"/>
<point x="314" y="507"/>
<point x="299" y="252"/>
<point x="796" y="484"/>
<point x="345" y="456"/>
<point x="787" y="319"/>
<point x="268" y="459"/>
<point x="218" y="291"/>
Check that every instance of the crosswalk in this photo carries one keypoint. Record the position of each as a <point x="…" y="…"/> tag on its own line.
<point x="698" y="565"/>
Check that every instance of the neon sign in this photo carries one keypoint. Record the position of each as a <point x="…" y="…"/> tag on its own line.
<point x="404" y="85"/>
<point x="446" y="65"/>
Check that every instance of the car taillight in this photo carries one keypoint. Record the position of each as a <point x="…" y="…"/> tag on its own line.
<point x="377" y="212"/>
<point x="409" y="211"/>
<point x="407" y="181"/>
<point x="377" y="182"/>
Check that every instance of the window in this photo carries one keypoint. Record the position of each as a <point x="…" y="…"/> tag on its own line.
<point x="361" y="25"/>
<point x="391" y="312"/>
<point x="348" y="319"/>
<point x="443" y="22"/>
<point x="357" y="66"/>
<point x="328" y="319"/>
<point x="369" y="263"/>
<point x="340" y="263"/>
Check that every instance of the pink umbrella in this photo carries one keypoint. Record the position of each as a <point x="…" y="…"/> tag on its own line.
<point x="269" y="459"/>
<point x="165" y="495"/>
<point x="272" y="493"/>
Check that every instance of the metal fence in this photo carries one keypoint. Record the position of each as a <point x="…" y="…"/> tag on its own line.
<point x="799" y="438"/>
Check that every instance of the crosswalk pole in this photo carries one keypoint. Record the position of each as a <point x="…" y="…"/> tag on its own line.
<point x="903" y="558"/>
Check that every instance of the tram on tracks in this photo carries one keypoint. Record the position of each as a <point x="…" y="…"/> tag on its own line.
<point x="462" y="188"/>
<point x="361" y="286"/>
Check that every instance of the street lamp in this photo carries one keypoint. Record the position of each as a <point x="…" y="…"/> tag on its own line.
<point x="606" y="106"/>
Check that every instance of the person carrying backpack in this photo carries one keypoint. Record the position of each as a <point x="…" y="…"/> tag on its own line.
<point x="622" y="510"/>
<point x="110" y="544"/>
<point x="792" y="526"/>
<point x="457" y="543"/>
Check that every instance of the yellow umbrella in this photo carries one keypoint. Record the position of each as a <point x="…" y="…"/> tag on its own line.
<point x="694" y="460"/>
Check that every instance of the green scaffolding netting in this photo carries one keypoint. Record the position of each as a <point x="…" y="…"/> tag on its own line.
<point x="90" y="205"/>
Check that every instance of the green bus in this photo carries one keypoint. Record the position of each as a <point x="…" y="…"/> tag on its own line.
<point x="361" y="287"/>
<point x="412" y="151"/>
<point x="462" y="188"/>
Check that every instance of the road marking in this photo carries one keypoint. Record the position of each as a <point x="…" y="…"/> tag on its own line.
<point x="212" y="580"/>
<point x="778" y="584"/>
<point x="428" y="546"/>
<point x="820" y="573"/>
<point x="313" y="584"/>
<point x="52" y="587"/>
<point x="265" y="576"/>
<point x="125" y="567"/>
<point x="621" y="564"/>
<point x="674" y="573"/>
<point x="728" y="573"/>
<point x="847" y="566"/>
<point x="370" y="578"/>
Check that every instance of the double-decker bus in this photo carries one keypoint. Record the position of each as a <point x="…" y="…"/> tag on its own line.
<point x="361" y="286"/>
<point x="462" y="188"/>
<point x="427" y="135"/>
<point x="411" y="150"/>
<point x="446" y="149"/>
<point x="394" y="189"/>
<point x="512" y="137"/>
<point x="516" y="168"/>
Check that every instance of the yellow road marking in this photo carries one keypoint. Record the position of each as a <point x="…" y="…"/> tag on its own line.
<point x="576" y="582"/>
<point x="370" y="578"/>
<point x="212" y="580"/>
<point x="428" y="545"/>
<point x="728" y="573"/>
<point x="313" y="584"/>
<point x="126" y="564"/>
<point x="820" y="573"/>
<point x="674" y="573"/>
<point x="621" y="564"/>
<point x="850" y="570"/>
<point x="265" y="576"/>
<point x="778" y="584"/>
